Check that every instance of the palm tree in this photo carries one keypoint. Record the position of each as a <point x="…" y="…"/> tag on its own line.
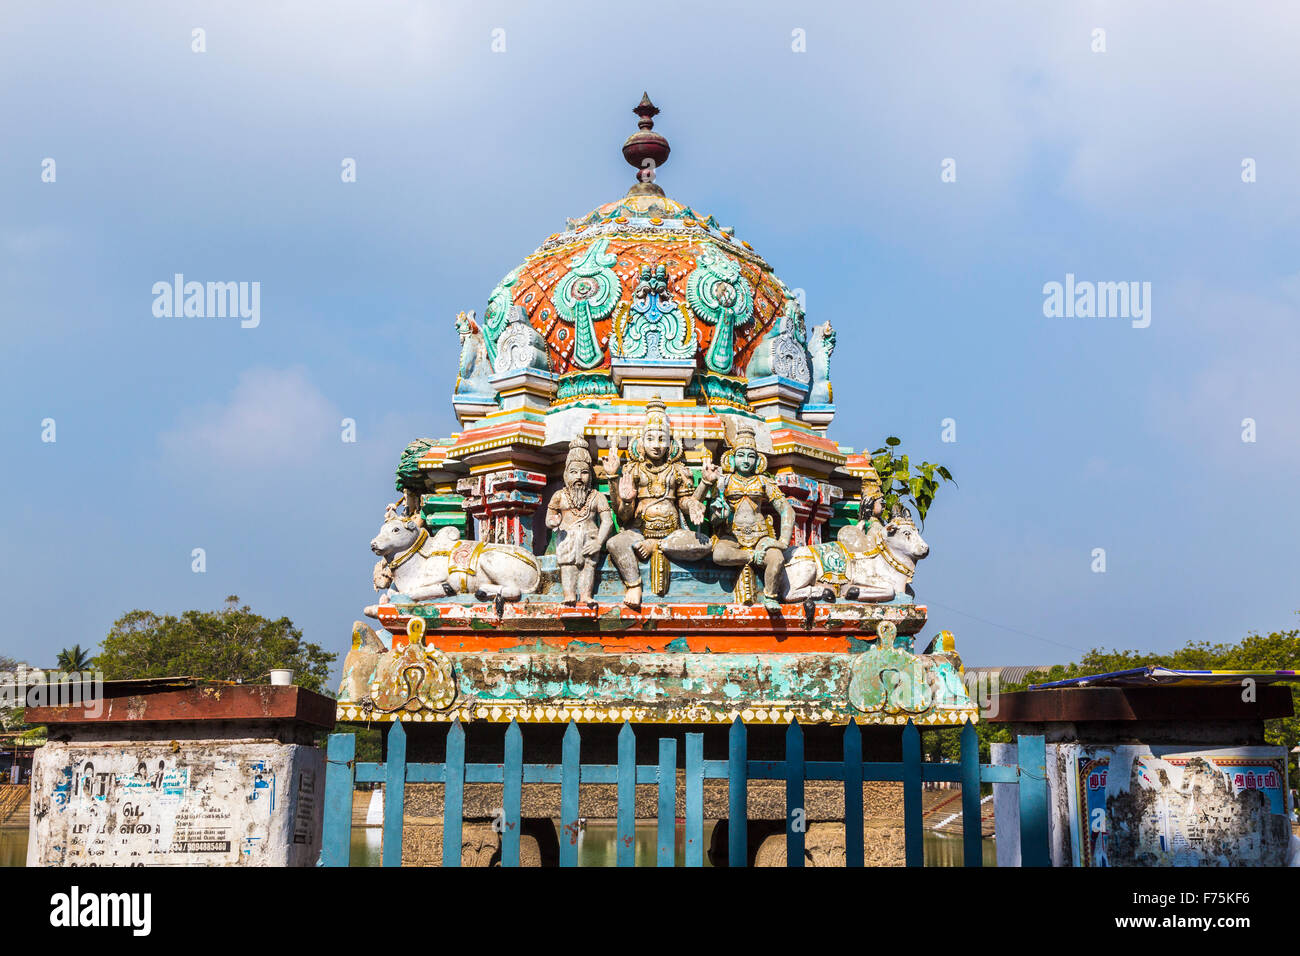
<point x="73" y="659"/>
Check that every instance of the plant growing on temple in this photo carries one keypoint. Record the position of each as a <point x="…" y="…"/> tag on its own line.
<point x="903" y="481"/>
<point x="230" y="644"/>
<point x="73" y="659"/>
<point x="408" y="467"/>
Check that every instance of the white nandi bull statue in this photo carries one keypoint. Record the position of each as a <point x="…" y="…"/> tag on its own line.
<point x="871" y="566"/>
<point x="423" y="567"/>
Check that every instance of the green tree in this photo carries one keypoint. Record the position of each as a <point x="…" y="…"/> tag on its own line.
<point x="73" y="659"/>
<point x="231" y="644"/>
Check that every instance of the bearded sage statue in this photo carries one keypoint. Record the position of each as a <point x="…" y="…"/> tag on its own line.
<point x="583" y="521"/>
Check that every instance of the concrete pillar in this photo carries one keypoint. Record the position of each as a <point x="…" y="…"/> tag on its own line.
<point x="1153" y="775"/>
<point x="159" y="774"/>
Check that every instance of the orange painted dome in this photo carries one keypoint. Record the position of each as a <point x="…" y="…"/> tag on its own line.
<point x="643" y="277"/>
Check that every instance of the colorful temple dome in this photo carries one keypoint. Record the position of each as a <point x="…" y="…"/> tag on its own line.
<point x="642" y="277"/>
<point x="642" y="516"/>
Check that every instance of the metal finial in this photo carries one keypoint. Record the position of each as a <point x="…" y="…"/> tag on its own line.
<point x="647" y="111"/>
<point x="646" y="144"/>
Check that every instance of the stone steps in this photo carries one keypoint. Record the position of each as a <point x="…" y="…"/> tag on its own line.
<point x="15" y="804"/>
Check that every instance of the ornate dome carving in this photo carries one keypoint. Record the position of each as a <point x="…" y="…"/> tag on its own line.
<point x="587" y="286"/>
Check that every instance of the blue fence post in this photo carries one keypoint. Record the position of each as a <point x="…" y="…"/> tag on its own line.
<point x="625" y="853"/>
<point x="737" y="796"/>
<point x="694" y="799"/>
<point x="972" y="824"/>
<point x="571" y="762"/>
<point x="512" y="795"/>
<point x="853" y="836"/>
<point x="336" y="836"/>
<point x="667" y="855"/>
<point x="394" y="794"/>
<point x="913" y="834"/>
<point x="453" y="796"/>
<point x="1031" y="756"/>
<point x="796" y="814"/>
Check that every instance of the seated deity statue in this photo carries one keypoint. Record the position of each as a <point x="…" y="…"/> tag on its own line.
<point x="581" y="518"/>
<point x="865" y="533"/>
<point x="744" y="487"/>
<point x="649" y="497"/>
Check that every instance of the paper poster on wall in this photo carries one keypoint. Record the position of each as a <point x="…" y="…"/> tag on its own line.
<point x="149" y="808"/>
<point x="1144" y="806"/>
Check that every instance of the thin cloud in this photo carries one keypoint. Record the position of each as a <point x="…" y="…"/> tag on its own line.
<point x="273" y="418"/>
<point x="1250" y="343"/>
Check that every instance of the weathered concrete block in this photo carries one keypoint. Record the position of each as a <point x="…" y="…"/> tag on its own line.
<point x="1152" y="775"/>
<point x="179" y="803"/>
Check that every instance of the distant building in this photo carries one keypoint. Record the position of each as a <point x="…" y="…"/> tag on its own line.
<point x="15" y="757"/>
<point x="1014" y="674"/>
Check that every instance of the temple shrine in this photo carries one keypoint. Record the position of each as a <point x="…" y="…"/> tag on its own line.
<point x="644" y="516"/>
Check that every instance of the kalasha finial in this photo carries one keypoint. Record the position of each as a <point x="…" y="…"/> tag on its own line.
<point x="646" y="144"/>
<point x="647" y="111"/>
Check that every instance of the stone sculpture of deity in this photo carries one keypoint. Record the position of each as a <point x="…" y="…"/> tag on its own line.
<point x="475" y="372"/>
<point x="649" y="497"/>
<point x="582" y="518"/>
<point x="866" y="532"/>
<point x="745" y="487"/>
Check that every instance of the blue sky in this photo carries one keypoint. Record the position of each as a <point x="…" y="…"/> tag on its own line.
<point x="1072" y="434"/>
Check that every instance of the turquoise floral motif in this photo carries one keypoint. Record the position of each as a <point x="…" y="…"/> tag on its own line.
<point x="715" y="387"/>
<point x="498" y="308"/>
<point x="718" y="294"/>
<point x="586" y="385"/>
<point x="653" y="326"/>
<point x="587" y="293"/>
<point x="783" y="351"/>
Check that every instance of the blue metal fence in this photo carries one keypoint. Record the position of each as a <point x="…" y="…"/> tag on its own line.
<point x="343" y="773"/>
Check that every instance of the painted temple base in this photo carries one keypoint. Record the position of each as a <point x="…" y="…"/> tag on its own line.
<point x="677" y="688"/>
<point x="555" y="624"/>
<point x="696" y="661"/>
<point x="665" y="664"/>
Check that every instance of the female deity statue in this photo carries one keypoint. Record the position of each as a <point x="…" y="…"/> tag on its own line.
<point x="750" y="541"/>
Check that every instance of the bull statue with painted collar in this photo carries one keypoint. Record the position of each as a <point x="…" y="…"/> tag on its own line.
<point x="424" y="567"/>
<point x="873" y="565"/>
